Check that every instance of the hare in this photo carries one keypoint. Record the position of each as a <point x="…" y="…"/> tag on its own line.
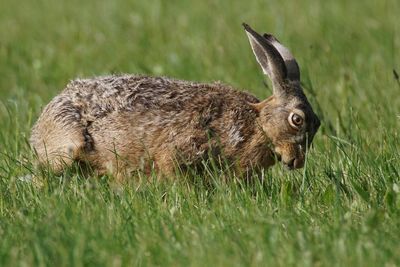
<point x="120" y="124"/>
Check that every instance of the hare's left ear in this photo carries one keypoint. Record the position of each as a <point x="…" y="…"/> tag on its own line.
<point x="268" y="57"/>
<point x="293" y="70"/>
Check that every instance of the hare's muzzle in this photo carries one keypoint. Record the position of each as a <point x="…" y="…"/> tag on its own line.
<point x="294" y="163"/>
<point x="292" y="156"/>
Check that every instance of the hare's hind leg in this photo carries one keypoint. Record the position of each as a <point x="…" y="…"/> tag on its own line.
<point x="59" y="138"/>
<point x="56" y="145"/>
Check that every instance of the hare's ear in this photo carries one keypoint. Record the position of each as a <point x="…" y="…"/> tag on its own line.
<point x="293" y="70"/>
<point x="268" y="57"/>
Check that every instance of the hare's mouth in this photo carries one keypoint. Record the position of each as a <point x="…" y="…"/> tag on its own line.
<point x="277" y="156"/>
<point x="290" y="165"/>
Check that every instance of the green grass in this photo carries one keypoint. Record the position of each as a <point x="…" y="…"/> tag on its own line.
<point x="343" y="209"/>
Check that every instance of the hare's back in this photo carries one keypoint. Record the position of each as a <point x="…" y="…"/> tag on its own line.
<point x="98" y="97"/>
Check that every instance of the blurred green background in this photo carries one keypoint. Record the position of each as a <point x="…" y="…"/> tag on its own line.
<point x="343" y="209"/>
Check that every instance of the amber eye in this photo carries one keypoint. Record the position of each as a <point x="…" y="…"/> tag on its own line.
<point x="295" y="120"/>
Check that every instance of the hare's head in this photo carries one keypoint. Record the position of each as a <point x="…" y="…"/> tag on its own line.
<point x="286" y="117"/>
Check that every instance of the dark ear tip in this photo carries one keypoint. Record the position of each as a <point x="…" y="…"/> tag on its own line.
<point x="246" y="26"/>
<point x="270" y="37"/>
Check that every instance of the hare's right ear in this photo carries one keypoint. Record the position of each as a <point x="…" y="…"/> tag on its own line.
<point x="268" y="57"/>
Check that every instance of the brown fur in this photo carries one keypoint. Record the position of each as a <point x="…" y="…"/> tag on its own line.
<point x="121" y="124"/>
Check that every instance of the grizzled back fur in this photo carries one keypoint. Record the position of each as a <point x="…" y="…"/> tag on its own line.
<point x="121" y="124"/>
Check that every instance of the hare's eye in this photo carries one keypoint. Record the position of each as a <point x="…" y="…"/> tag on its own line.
<point x="295" y="120"/>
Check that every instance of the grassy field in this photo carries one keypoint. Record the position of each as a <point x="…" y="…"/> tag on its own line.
<point x="343" y="209"/>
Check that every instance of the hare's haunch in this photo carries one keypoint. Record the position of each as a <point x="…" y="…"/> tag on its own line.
<point x="120" y="124"/>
